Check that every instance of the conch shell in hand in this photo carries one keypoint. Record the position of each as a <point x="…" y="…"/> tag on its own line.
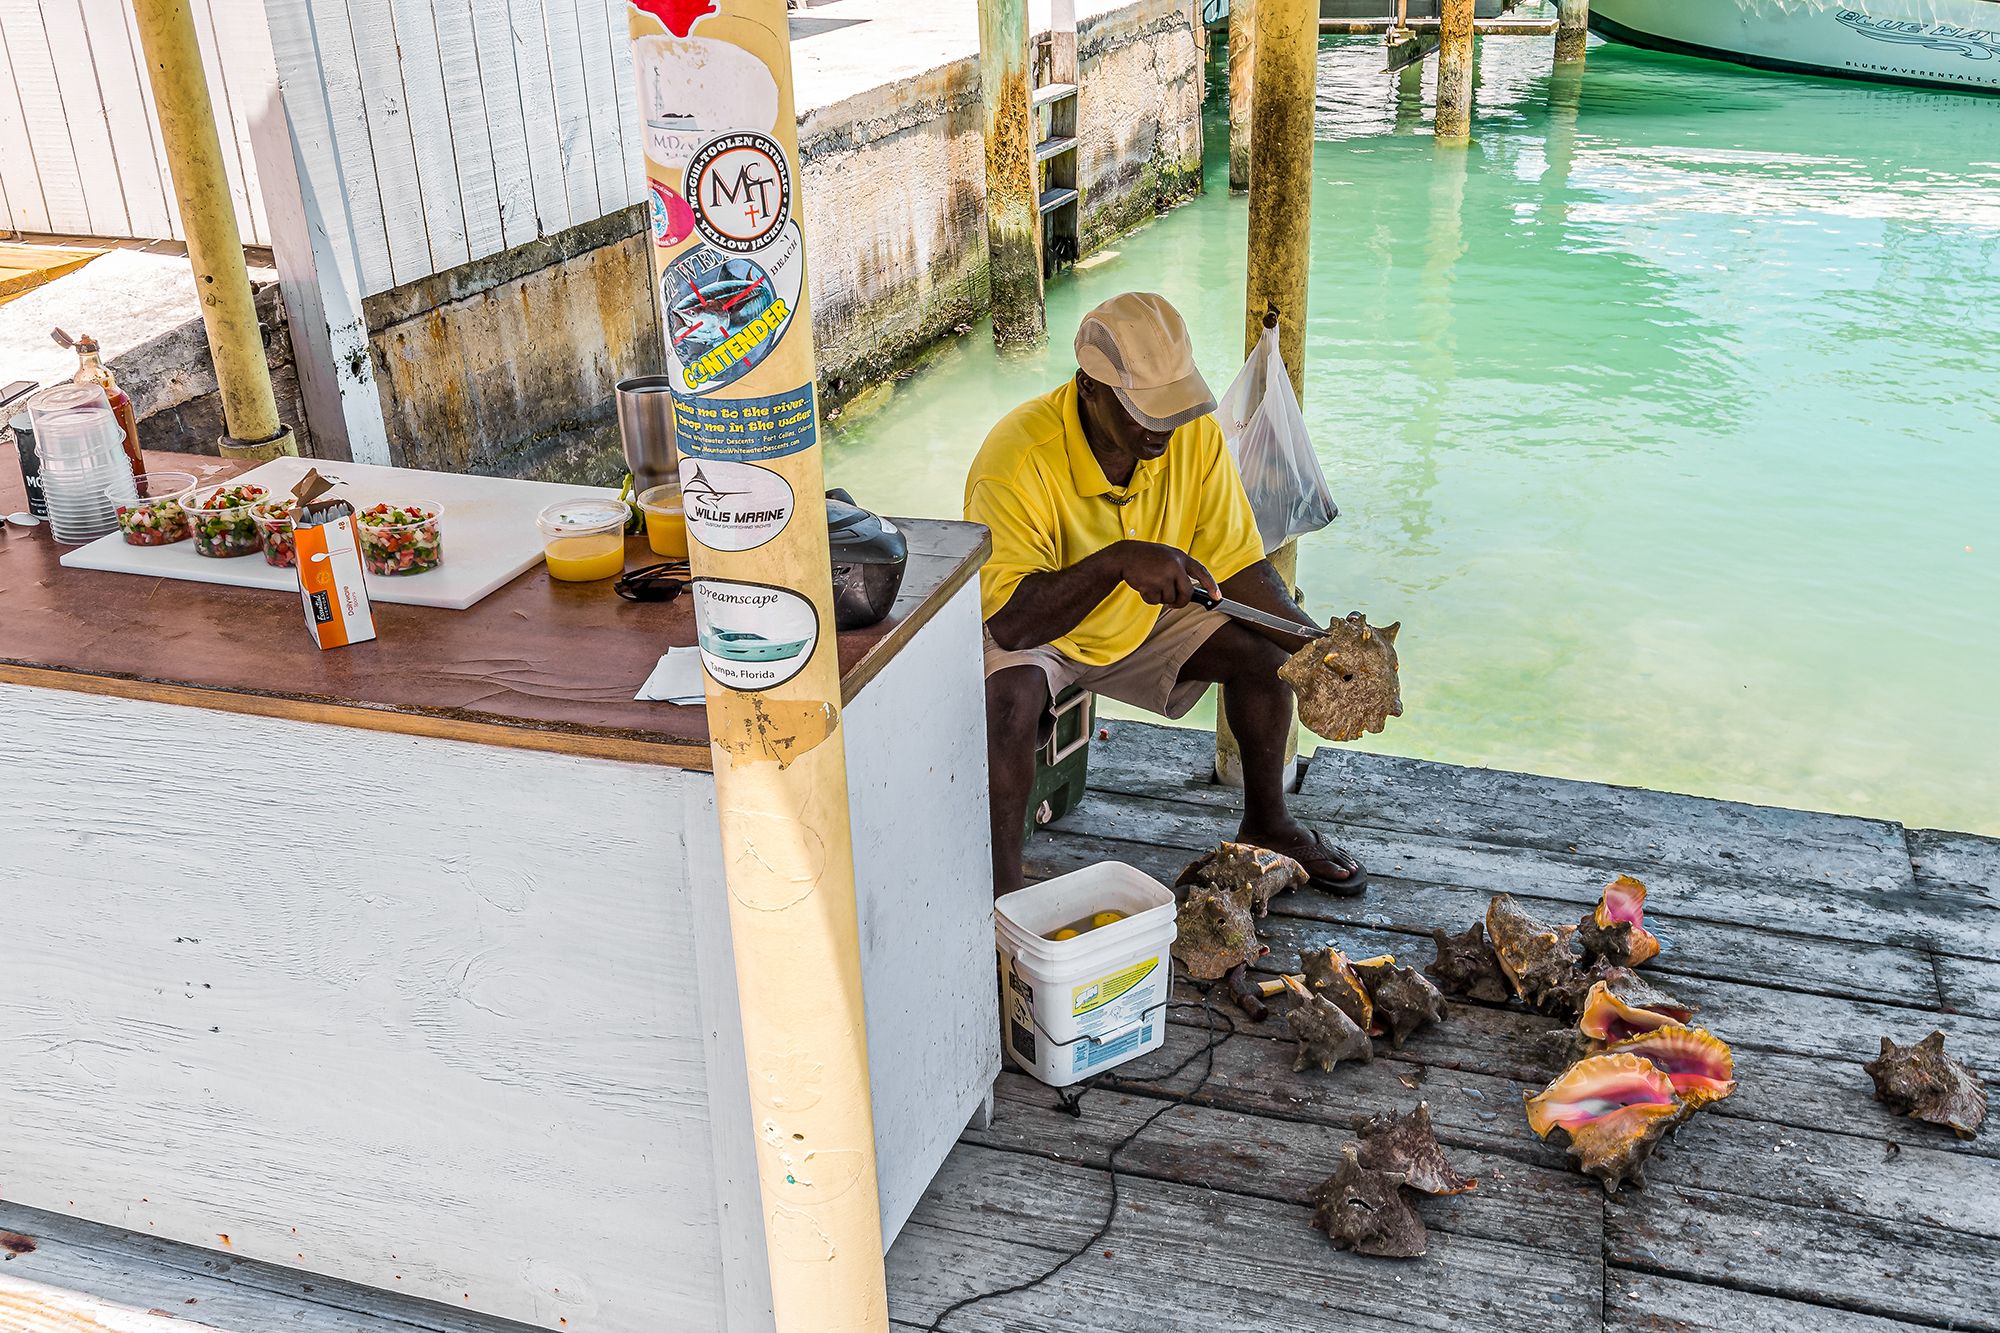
<point x="1346" y="680"/>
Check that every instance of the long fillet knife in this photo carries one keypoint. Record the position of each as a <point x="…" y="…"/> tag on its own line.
<point x="1238" y="611"/>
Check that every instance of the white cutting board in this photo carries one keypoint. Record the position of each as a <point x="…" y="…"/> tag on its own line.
<point x="489" y="533"/>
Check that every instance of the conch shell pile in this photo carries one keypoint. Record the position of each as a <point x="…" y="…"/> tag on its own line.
<point x="1552" y="968"/>
<point x="1368" y="1204"/>
<point x="1346" y="680"/>
<point x="1328" y="972"/>
<point x="1248" y="874"/>
<point x="1924" y="1083"/>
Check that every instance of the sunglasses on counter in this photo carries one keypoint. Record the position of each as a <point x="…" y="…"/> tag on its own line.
<point x="653" y="583"/>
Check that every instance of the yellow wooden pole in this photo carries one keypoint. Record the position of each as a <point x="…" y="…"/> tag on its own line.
<point x="1013" y="206"/>
<point x="1242" y="75"/>
<point x="726" y="210"/>
<point x="1286" y="42"/>
<point x="1453" y="121"/>
<point x="208" y="217"/>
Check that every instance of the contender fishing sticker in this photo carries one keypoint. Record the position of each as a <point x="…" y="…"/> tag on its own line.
<point x="734" y="506"/>
<point x="752" y="637"/>
<point x="741" y="190"/>
<point x="726" y="313"/>
<point x="746" y="429"/>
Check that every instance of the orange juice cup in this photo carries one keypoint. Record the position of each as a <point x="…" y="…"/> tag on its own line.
<point x="583" y="539"/>
<point x="666" y="520"/>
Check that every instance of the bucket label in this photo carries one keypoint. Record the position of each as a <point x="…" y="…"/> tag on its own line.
<point x="1094" y="995"/>
<point x="1090" y="1054"/>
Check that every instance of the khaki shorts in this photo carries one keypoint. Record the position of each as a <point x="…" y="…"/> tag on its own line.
<point x="1148" y="677"/>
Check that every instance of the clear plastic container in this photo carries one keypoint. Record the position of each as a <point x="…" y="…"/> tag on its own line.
<point x="276" y="528"/>
<point x="583" y="540"/>
<point x="401" y="539"/>
<point x="81" y="448"/>
<point x="666" y="520"/>
<point x="149" y="507"/>
<point x="221" y="522"/>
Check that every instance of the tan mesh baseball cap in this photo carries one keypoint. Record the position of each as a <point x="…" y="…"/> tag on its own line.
<point x="1138" y="344"/>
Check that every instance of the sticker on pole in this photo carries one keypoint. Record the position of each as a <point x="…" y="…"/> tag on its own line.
<point x="742" y="430"/>
<point x="694" y="88"/>
<point x="741" y="190"/>
<point x="726" y="313"/>
<point x="753" y="637"/>
<point x="734" y="506"/>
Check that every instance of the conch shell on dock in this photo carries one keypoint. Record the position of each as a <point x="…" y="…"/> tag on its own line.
<point x="1466" y="967"/>
<point x="1347" y="680"/>
<point x="1403" y="1000"/>
<point x="1326" y="1036"/>
<point x="1535" y="958"/>
<point x="1616" y="930"/>
<point x="1329" y="973"/>
<point x="1408" y="1146"/>
<point x="1251" y="875"/>
<point x="1924" y="1083"/>
<point x="1625" y="1006"/>
<point x="1366" y="1210"/>
<point x="1695" y="1061"/>
<point x="1213" y="933"/>
<point x="1615" y="1108"/>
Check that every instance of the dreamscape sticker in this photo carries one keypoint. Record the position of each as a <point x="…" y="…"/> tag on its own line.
<point x="752" y="636"/>
<point x="746" y="429"/>
<point x="734" y="506"/>
<point x="726" y="313"/>
<point x="741" y="190"/>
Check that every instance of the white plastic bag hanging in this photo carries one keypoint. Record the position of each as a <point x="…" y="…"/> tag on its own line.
<point x="1266" y="432"/>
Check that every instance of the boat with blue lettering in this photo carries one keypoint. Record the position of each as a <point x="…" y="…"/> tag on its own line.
<point x="1931" y="43"/>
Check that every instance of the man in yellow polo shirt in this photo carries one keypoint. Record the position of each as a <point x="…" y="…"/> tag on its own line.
<point x="1109" y="500"/>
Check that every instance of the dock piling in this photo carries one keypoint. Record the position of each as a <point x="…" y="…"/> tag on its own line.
<point x="1453" y="121"/>
<point x="1284" y="93"/>
<point x="1242" y="76"/>
<point x="1013" y="206"/>
<point x="1572" y="30"/>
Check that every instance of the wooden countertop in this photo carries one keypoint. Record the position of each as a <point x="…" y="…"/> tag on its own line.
<point x="538" y="664"/>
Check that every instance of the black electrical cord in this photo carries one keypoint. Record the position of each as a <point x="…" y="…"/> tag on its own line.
<point x="1070" y="1102"/>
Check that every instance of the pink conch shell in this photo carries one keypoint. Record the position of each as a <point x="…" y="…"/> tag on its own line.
<point x="1616" y="929"/>
<point x="1696" y="1062"/>
<point x="1614" y="1108"/>
<point x="1616" y="1010"/>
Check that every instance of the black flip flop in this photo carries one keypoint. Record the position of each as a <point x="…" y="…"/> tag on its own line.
<point x="1328" y="869"/>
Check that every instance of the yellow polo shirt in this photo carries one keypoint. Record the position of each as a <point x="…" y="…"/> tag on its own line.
<point x="1036" y="484"/>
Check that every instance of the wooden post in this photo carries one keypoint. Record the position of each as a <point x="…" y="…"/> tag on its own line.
<point x="208" y="216"/>
<point x="726" y="207"/>
<point x="1242" y="76"/>
<point x="1013" y="205"/>
<point x="1572" y="30"/>
<point x="1454" y="95"/>
<point x="1281" y="144"/>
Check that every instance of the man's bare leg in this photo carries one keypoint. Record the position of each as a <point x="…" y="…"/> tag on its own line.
<point x="1259" y="708"/>
<point x="1016" y="699"/>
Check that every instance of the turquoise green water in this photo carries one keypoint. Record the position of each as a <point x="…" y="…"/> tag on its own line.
<point x="1664" y="419"/>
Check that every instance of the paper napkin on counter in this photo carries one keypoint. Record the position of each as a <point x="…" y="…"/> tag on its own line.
<point x="677" y="679"/>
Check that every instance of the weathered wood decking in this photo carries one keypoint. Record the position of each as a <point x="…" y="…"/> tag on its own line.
<point x="1798" y="1204"/>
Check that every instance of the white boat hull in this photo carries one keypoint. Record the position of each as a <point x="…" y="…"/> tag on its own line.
<point x="1934" y="43"/>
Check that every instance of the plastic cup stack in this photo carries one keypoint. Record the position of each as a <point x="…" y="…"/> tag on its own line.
<point x="82" y="448"/>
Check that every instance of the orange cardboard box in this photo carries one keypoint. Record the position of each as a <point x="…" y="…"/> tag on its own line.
<point x="329" y="561"/>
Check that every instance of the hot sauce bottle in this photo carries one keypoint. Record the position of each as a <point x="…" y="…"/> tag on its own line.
<point x="91" y="369"/>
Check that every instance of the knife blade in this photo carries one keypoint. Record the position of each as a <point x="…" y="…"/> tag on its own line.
<point x="1238" y="611"/>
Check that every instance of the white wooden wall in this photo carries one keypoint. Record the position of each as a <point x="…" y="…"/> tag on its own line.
<point x="427" y="132"/>
<point x="433" y="132"/>
<point x="79" y="142"/>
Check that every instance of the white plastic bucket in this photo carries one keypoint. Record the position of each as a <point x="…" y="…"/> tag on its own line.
<point x="1072" y="1008"/>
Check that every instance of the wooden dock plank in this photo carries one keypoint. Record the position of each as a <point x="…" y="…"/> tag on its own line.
<point x="1645" y="1303"/>
<point x="1593" y="820"/>
<point x="1889" y="973"/>
<point x="1865" y="1265"/>
<point x="1198" y="1259"/>
<point x="1282" y="1160"/>
<point x="1966" y="862"/>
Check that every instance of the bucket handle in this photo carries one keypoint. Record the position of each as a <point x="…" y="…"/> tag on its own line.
<point x="1102" y="1038"/>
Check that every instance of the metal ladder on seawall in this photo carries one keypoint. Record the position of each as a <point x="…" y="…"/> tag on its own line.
<point x="1053" y="102"/>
